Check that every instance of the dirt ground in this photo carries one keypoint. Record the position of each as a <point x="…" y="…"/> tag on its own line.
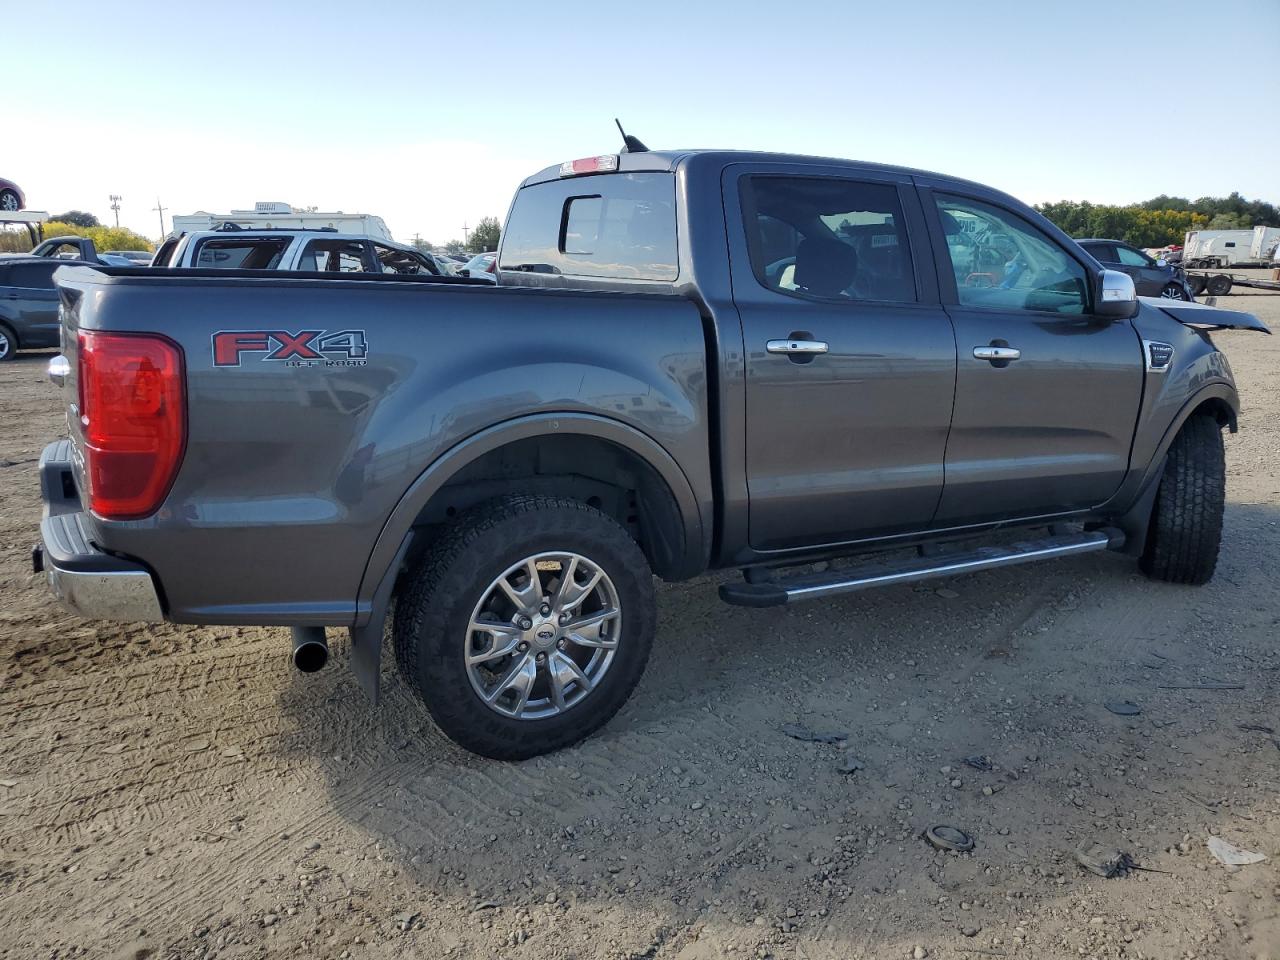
<point x="181" y="792"/>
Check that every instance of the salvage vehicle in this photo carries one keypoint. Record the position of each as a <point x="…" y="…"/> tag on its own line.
<point x="1151" y="277"/>
<point x="829" y="375"/>
<point x="12" y="198"/>
<point x="317" y="250"/>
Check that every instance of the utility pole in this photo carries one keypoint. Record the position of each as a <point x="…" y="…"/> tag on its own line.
<point x="115" y="206"/>
<point x="465" y="231"/>
<point x="160" y="210"/>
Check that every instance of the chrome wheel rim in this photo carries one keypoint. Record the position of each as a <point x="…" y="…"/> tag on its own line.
<point x="9" y="201"/>
<point x="5" y="346"/>
<point x="542" y="636"/>
<point x="1171" y="293"/>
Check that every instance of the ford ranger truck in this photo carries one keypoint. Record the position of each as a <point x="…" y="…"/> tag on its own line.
<point x="693" y="361"/>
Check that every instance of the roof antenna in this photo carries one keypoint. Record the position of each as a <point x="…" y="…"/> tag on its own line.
<point x="629" y="143"/>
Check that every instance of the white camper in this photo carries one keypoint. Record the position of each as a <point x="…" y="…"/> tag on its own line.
<point x="1217" y="249"/>
<point x="271" y="215"/>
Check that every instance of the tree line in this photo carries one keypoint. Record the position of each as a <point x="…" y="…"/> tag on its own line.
<point x="1160" y="221"/>
<point x="80" y="224"/>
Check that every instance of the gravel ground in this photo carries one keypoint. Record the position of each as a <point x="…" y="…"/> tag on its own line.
<point x="180" y="792"/>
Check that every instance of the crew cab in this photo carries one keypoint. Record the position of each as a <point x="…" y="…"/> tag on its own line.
<point x="318" y="250"/>
<point x="829" y="375"/>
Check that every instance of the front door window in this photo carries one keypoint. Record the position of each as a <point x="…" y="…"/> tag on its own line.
<point x="1002" y="262"/>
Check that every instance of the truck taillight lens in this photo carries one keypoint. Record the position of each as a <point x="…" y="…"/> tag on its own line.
<point x="133" y="419"/>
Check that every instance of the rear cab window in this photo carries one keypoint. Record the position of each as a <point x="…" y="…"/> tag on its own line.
<point x="616" y="226"/>
<point x="240" y="253"/>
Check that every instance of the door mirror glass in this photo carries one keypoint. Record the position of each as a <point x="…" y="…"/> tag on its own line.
<point x="1161" y="262"/>
<point x="1117" y="298"/>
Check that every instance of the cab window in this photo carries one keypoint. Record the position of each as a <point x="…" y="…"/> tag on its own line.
<point x="1001" y="261"/>
<point x="826" y="238"/>
<point x="333" y="256"/>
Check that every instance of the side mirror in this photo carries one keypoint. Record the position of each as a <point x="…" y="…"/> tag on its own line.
<point x="1117" y="298"/>
<point x="1161" y="262"/>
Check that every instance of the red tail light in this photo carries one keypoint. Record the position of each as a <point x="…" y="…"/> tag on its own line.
<point x="133" y="418"/>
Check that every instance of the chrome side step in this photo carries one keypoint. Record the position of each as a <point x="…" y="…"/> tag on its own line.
<point x="816" y="585"/>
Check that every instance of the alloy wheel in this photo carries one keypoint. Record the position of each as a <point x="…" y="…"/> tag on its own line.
<point x="543" y="635"/>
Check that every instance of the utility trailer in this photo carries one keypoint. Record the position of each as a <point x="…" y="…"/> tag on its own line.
<point x="1220" y="284"/>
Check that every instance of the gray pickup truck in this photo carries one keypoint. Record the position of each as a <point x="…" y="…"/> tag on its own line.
<point x="830" y="375"/>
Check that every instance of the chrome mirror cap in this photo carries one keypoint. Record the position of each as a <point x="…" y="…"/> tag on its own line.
<point x="1117" y="297"/>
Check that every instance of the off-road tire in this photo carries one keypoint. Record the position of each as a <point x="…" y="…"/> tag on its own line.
<point x="432" y="615"/>
<point x="1186" y="521"/>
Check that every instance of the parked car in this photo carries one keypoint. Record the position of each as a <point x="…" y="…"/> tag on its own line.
<point x="11" y="196"/>
<point x="820" y="365"/>
<point x="323" y="251"/>
<point x="29" y="303"/>
<point x="482" y="265"/>
<point x="139" y="258"/>
<point x="1151" y="278"/>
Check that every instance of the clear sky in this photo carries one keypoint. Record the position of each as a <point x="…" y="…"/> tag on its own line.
<point x="429" y="114"/>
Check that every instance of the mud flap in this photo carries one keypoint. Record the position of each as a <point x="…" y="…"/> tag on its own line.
<point x="366" y="641"/>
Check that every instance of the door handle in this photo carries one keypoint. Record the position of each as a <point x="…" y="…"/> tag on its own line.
<point x="997" y="353"/>
<point x="802" y="347"/>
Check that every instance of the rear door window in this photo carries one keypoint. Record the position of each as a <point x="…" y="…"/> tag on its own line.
<point x="620" y="226"/>
<point x="827" y="238"/>
<point x="1102" y="252"/>
<point x="34" y="275"/>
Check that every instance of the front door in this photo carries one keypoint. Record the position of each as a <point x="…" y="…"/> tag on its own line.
<point x="34" y="300"/>
<point x="850" y="360"/>
<point x="1047" y="396"/>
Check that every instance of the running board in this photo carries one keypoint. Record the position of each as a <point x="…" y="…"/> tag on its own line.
<point x="816" y="585"/>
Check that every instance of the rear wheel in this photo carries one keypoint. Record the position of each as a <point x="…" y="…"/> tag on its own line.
<point x="1186" y="521"/>
<point x="1197" y="284"/>
<point x="526" y="626"/>
<point x="8" y="200"/>
<point x="8" y="344"/>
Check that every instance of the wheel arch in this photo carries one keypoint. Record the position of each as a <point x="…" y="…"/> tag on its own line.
<point x="596" y="452"/>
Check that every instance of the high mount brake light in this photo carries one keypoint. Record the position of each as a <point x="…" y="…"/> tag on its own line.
<point x="603" y="164"/>
<point x="133" y="420"/>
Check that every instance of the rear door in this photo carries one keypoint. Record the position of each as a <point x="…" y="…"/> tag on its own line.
<point x="1046" y="396"/>
<point x="850" y="359"/>
<point x="32" y="301"/>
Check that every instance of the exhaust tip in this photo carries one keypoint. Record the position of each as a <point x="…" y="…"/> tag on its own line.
<point x="310" y="649"/>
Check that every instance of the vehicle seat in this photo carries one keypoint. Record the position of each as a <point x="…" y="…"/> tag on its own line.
<point x="825" y="268"/>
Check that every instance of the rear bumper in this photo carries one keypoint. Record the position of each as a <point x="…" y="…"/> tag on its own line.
<point x="89" y="581"/>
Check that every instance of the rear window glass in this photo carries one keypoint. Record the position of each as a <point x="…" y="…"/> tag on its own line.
<point x="241" y="253"/>
<point x="620" y="226"/>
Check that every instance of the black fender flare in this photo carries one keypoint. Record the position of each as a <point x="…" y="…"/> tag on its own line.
<point x="400" y="523"/>
<point x="1137" y="517"/>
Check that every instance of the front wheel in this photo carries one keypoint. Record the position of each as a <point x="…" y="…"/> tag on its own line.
<point x="1186" y="522"/>
<point x="8" y="344"/>
<point x="1172" y="291"/>
<point x="526" y="626"/>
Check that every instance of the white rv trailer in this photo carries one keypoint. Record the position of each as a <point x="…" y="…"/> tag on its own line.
<point x="269" y="215"/>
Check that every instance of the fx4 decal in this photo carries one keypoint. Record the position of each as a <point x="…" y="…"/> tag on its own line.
<point x="307" y="348"/>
